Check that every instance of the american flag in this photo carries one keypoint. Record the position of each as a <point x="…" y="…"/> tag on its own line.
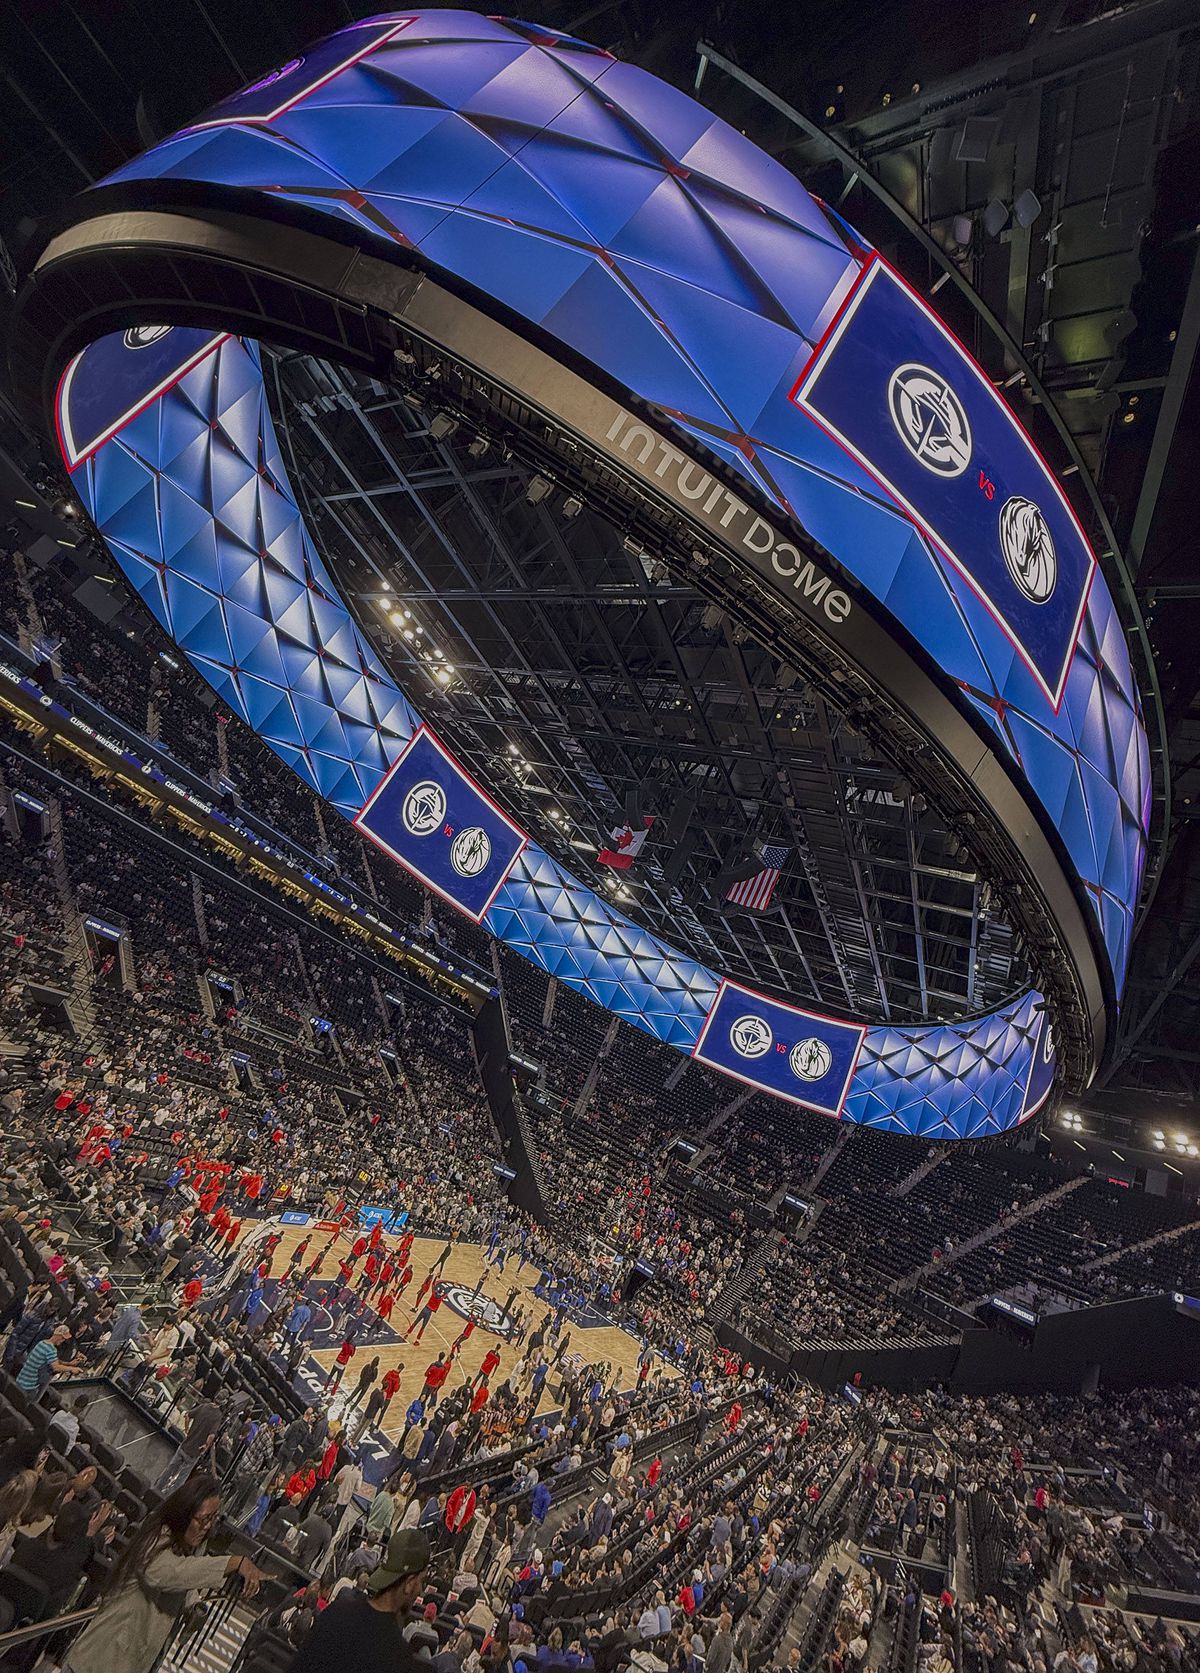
<point x="755" y="892"/>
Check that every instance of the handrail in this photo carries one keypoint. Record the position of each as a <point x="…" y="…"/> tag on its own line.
<point x="37" y="1629"/>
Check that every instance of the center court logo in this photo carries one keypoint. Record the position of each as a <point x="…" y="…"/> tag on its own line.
<point x="930" y="419"/>
<point x="750" y="1036"/>
<point x="810" y="1059"/>
<point x="470" y="851"/>
<point x="424" y="808"/>
<point x="470" y="1304"/>
<point x="1028" y="548"/>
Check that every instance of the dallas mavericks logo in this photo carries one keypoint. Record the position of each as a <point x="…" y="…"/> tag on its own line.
<point x="751" y="1037"/>
<point x="141" y="336"/>
<point x="930" y="419"/>
<point x="470" y="851"/>
<point x="1028" y="548"/>
<point x="424" y="808"/>
<point x="811" y="1059"/>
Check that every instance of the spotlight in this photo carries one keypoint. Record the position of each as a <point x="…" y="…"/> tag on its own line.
<point x="539" y="487"/>
<point x="479" y="447"/>
<point x="442" y="426"/>
<point x="572" y="506"/>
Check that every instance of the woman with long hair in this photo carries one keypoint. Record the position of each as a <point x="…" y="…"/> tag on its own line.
<point x="15" y="1497"/>
<point x="149" y="1586"/>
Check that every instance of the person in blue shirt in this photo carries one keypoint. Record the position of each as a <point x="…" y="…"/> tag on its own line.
<point x="295" y="1325"/>
<point x="539" y="1502"/>
<point x="252" y="1302"/>
<point x="414" y="1415"/>
<point x="42" y="1361"/>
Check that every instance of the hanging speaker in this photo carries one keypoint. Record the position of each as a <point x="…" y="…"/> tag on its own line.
<point x="678" y="859"/>
<point x="1027" y="208"/>
<point x="995" y="218"/>
<point x="680" y="819"/>
<point x="941" y="147"/>
<point x="975" y="139"/>
<point x="737" y="873"/>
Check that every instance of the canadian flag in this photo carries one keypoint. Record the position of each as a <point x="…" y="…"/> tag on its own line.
<point x="626" y="844"/>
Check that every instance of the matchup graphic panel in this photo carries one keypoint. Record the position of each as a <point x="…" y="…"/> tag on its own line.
<point x="798" y="1055"/>
<point x="434" y="819"/>
<point x="908" y="402"/>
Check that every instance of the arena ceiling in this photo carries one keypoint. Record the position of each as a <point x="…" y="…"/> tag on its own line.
<point x="582" y="673"/>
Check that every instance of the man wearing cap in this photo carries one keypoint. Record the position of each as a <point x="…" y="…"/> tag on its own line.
<point x="363" y="1629"/>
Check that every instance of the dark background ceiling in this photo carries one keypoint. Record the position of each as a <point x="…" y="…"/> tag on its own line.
<point x="597" y="669"/>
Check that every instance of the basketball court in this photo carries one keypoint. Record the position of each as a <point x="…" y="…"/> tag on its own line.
<point x="469" y="1286"/>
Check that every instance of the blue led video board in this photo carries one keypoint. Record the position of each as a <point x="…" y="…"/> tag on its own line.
<point x="625" y="222"/>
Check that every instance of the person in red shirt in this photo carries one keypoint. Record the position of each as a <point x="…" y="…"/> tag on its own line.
<point x="390" y="1385"/>
<point x="345" y="1272"/>
<point x="386" y="1272"/>
<point x="406" y="1278"/>
<point x="489" y="1363"/>
<point x="653" y="1473"/>
<point x="432" y="1302"/>
<point x="302" y="1482"/>
<point x="464" y="1335"/>
<point x="734" y="1417"/>
<point x="386" y="1303"/>
<point x="426" y="1282"/>
<point x="358" y="1249"/>
<point x="337" y="1370"/>
<point x="479" y="1398"/>
<point x="370" y="1274"/>
<point x="192" y="1291"/>
<point x="435" y="1377"/>
<point x="376" y="1234"/>
<point x="232" y="1234"/>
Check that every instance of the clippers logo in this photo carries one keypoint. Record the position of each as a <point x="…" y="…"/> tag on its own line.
<point x="1028" y="548"/>
<point x="810" y="1059"/>
<point x="141" y="336"/>
<point x="930" y="419"/>
<point x="424" y="808"/>
<point x="470" y="851"/>
<point x="751" y="1037"/>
